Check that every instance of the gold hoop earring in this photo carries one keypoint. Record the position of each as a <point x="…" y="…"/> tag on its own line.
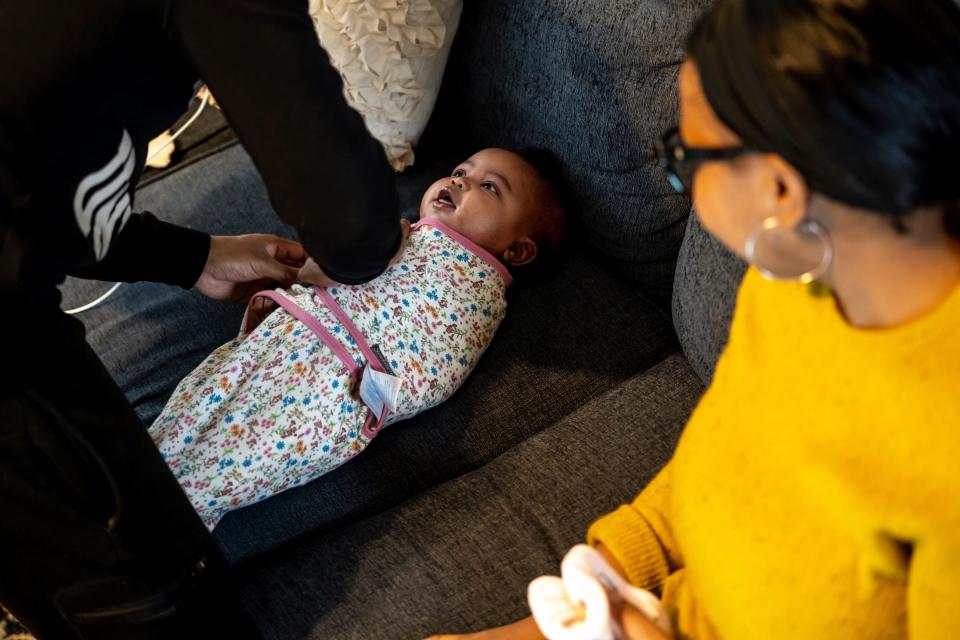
<point x="768" y="244"/>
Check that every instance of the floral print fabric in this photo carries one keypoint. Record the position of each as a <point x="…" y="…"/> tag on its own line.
<point x="275" y="408"/>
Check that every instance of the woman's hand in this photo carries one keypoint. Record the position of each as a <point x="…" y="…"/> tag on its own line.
<point x="239" y="266"/>
<point x="525" y="629"/>
<point x="311" y="273"/>
<point x="637" y="626"/>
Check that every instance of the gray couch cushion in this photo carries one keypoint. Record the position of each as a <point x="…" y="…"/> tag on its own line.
<point x="596" y="83"/>
<point x="562" y="343"/>
<point x="704" y="296"/>
<point x="459" y="557"/>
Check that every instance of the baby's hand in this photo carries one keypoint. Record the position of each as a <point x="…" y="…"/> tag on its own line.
<point x="311" y="273"/>
<point x="257" y="311"/>
<point x="356" y="382"/>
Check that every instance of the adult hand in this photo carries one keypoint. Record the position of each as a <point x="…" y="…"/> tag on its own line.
<point x="239" y="266"/>
<point x="525" y="629"/>
<point x="311" y="273"/>
<point x="637" y="626"/>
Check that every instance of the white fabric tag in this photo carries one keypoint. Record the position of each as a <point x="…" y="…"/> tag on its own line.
<point x="379" y="390"/>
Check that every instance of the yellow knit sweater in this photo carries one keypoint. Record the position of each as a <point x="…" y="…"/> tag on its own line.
<point x="815" y="492"/>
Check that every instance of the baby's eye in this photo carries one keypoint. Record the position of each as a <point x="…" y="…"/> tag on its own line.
<point x="489" y="186"/>
<point x="458" y="173"/>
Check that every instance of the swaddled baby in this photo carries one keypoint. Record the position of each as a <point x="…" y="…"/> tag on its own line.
<point x="307" y="387"/>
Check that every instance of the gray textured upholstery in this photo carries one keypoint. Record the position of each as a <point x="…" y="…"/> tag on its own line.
<point x="459" y="557"/>
<point x="704" y="294"/>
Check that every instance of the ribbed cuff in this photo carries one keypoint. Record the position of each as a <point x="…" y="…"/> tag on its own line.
<point x="627" y="535"/>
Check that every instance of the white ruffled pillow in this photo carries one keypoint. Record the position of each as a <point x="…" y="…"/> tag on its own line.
<point x="391" y="55"/>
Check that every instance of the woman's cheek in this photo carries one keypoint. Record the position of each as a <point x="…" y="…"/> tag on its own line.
<point x="717" y="203"/>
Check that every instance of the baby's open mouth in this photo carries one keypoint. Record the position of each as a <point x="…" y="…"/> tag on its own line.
<point x="444" y="199"/>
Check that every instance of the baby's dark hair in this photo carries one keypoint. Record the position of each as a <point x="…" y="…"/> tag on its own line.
<point x="553" y="219"/>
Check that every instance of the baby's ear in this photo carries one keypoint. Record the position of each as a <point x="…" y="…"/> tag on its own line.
<point x="520" y="252"/>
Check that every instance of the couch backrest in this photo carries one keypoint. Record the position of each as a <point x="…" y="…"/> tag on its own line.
<point x="704" y="295"/>
<point x="594" y="82"/>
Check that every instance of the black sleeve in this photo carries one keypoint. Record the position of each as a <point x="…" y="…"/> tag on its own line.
<point x="148" y="249"/>
<point x="326" y="176"/>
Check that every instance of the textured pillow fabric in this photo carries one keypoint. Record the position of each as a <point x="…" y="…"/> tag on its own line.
<point x="704" y="295"/>
<point x="391" y="55"/>
<point x="595" y="82"/>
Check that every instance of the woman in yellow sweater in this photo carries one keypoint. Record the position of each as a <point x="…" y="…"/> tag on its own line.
<point x="815" y="492"/>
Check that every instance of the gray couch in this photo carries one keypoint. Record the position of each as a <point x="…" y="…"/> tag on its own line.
<point x="443" y="521"/>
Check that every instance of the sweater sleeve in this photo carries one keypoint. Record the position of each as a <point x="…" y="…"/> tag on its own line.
<point x="640" y="537"/>
<point x="933" y="588"/>
<point x="326" y="176"/>
<point x="151" y="250"/>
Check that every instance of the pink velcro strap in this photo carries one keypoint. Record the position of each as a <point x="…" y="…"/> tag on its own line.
<point x="373" y="424"/>
<point x="345" y="320"/>
<point x="314" y="325"/>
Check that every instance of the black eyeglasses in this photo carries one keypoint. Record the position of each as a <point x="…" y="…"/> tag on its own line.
<point x="681" y="162"/>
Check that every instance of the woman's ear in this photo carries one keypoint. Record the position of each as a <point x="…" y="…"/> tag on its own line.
<point x="520" y="252"/>
<point x="789" y="204"/>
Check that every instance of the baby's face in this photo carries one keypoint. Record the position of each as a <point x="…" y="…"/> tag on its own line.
<point x="491" y="199"/>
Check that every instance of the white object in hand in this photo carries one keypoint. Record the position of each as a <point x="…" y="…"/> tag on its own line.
<point x="576" y="606"/>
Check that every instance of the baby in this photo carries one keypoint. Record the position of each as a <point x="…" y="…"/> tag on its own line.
<point x="284" y="402"/>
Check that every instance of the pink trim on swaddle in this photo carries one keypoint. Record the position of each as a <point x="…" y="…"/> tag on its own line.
<point x="314" y="325"/>
<point x="370" y="428"/>
<point x="467" y="244"/>
<point x="361" y="340"/>
<point x="373" y="423"/>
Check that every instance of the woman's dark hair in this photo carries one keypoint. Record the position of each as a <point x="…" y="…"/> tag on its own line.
<point x="862" y="97"/>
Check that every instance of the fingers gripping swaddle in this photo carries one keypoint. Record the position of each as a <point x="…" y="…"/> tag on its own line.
<point x="577" y="606"/>
<point x="316" y="373"/>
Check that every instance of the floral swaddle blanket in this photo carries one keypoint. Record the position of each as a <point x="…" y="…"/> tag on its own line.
<point x="276" y="407"/>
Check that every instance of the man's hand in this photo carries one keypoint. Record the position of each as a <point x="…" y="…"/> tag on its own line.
<point x="311" y="273"/>
<point x="239" y="266"/>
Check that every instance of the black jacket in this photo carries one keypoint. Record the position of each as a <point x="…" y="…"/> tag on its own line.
<point x="85" y="85"/>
